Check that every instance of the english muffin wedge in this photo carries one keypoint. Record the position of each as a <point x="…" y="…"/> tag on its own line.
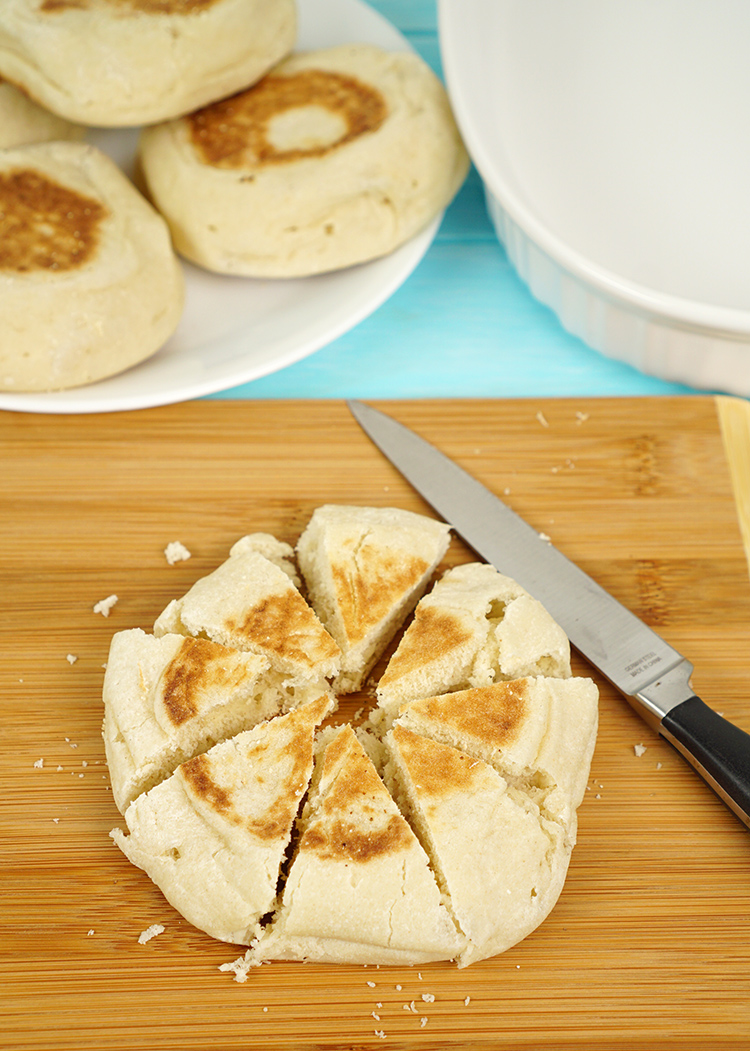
<point x="474" y="627"/>
<point x="251" y="603"/>
<point x="359" y="889"/>
<point x="213" y="835"/>
<point x="538" y="733"/>
<point x="365" y="569"/>
<point x="500" y="862"/>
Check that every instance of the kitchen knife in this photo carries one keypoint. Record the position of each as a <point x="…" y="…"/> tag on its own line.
<point x="653" y="676"/>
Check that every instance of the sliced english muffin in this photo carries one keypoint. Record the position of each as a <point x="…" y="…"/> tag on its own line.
<point x="168" y="698"/>
<point x="500" y="862"/>
<point x="128" y="62"/>
<point x="365" y="569"/>
<point x="475" y="627"/>
<point x="23" y="122"/>
<point x="538" y="733"/>
<point x="89" y="284"/>
<point x="250" y="603"/>
<point x="334" y="158"/>
<point x="214" y="834"/>
<point x="359" y="889"/>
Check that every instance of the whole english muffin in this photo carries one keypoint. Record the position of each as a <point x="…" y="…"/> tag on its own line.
<point x="121" y="63"/>
<point x="334" y="158"/>
<point x="22" y="121"/>
<point x="89" y="284"/>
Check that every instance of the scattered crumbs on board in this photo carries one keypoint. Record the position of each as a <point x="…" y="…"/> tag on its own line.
<point x="542" y="419"/>
<point x="658" y="766"/>
<point x="38" y="765"/>
<point x="71" y="658"/>
<point x="581" y="417"/>
<point x="467" y="1001"/>
<point x="105" y="605"/>
<point x="90" y="933"/>
<point x="176" y="552"/>
<point x="545" y="537"/>
<point x="150" y="932"/>
<point x="639" y="749"/>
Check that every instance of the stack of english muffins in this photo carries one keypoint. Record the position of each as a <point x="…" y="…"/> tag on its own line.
<point x="437" y="824"/>
<point x="254" y="160"/>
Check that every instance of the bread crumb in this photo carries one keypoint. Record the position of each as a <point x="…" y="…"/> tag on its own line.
<point x="581" y="417"/>
<point x="105" y="605"/>
<point x="658" y="766"/>
<point x="639" y="749"/>
<point x="371" y="984"/>
<point x="376" y="1016"/>
<point x="150" y="932"/>
<point x="39" y="764"/>
<point x="380" y="1034"/>
<point x="467" y="1001"/>
<point x="597" y="796"/>
<point x="240" y="966"/>
<point x="428" y="998"/>
<point x="56" y="820"/>
<point x="176" y="552"/>
<point x="542" y="419"/>
<point x="423" y="1021"/>
<point x="90" y="933"/>
<point x="398" y="988"/>
<point x="545" y="537"/>
<point x="71" y="658"/>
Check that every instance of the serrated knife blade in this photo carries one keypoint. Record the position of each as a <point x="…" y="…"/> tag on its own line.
<point x="651" y="674"/>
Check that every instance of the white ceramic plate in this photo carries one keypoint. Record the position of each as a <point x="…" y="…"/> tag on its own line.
<point x="613" y="141"/>
<point x="238" y="329"/>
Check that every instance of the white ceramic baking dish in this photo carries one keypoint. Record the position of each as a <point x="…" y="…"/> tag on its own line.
<point x="613" y="139"/>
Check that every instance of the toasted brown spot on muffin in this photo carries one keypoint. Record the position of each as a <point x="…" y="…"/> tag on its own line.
<point x="198" y="666"/>
<point x="367" y="588"/>
<point x="44" y="225"/>
<point x="285" y="625"/>
<point x="491" y="714"/>
<point x="436" y="769"/>
<point x="197" y="774"/>
<point x="277" y="818"/>
<point x="235" y="132"/>
<point x="352" y="823"/>
<point x="432" y="634"/>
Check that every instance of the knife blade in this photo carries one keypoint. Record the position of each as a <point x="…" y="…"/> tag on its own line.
<point x="652" y="675"/>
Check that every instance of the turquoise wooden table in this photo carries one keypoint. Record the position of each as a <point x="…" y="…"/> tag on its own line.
<point x="463" y="324"/>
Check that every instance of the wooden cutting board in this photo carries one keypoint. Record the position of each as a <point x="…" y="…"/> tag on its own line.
<point x="649" y="945"/>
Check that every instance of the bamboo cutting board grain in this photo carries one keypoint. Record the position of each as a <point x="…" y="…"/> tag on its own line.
<point x="649" y="945"/>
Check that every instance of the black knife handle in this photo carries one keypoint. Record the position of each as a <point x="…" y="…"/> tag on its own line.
<point x="719" y="750"/>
